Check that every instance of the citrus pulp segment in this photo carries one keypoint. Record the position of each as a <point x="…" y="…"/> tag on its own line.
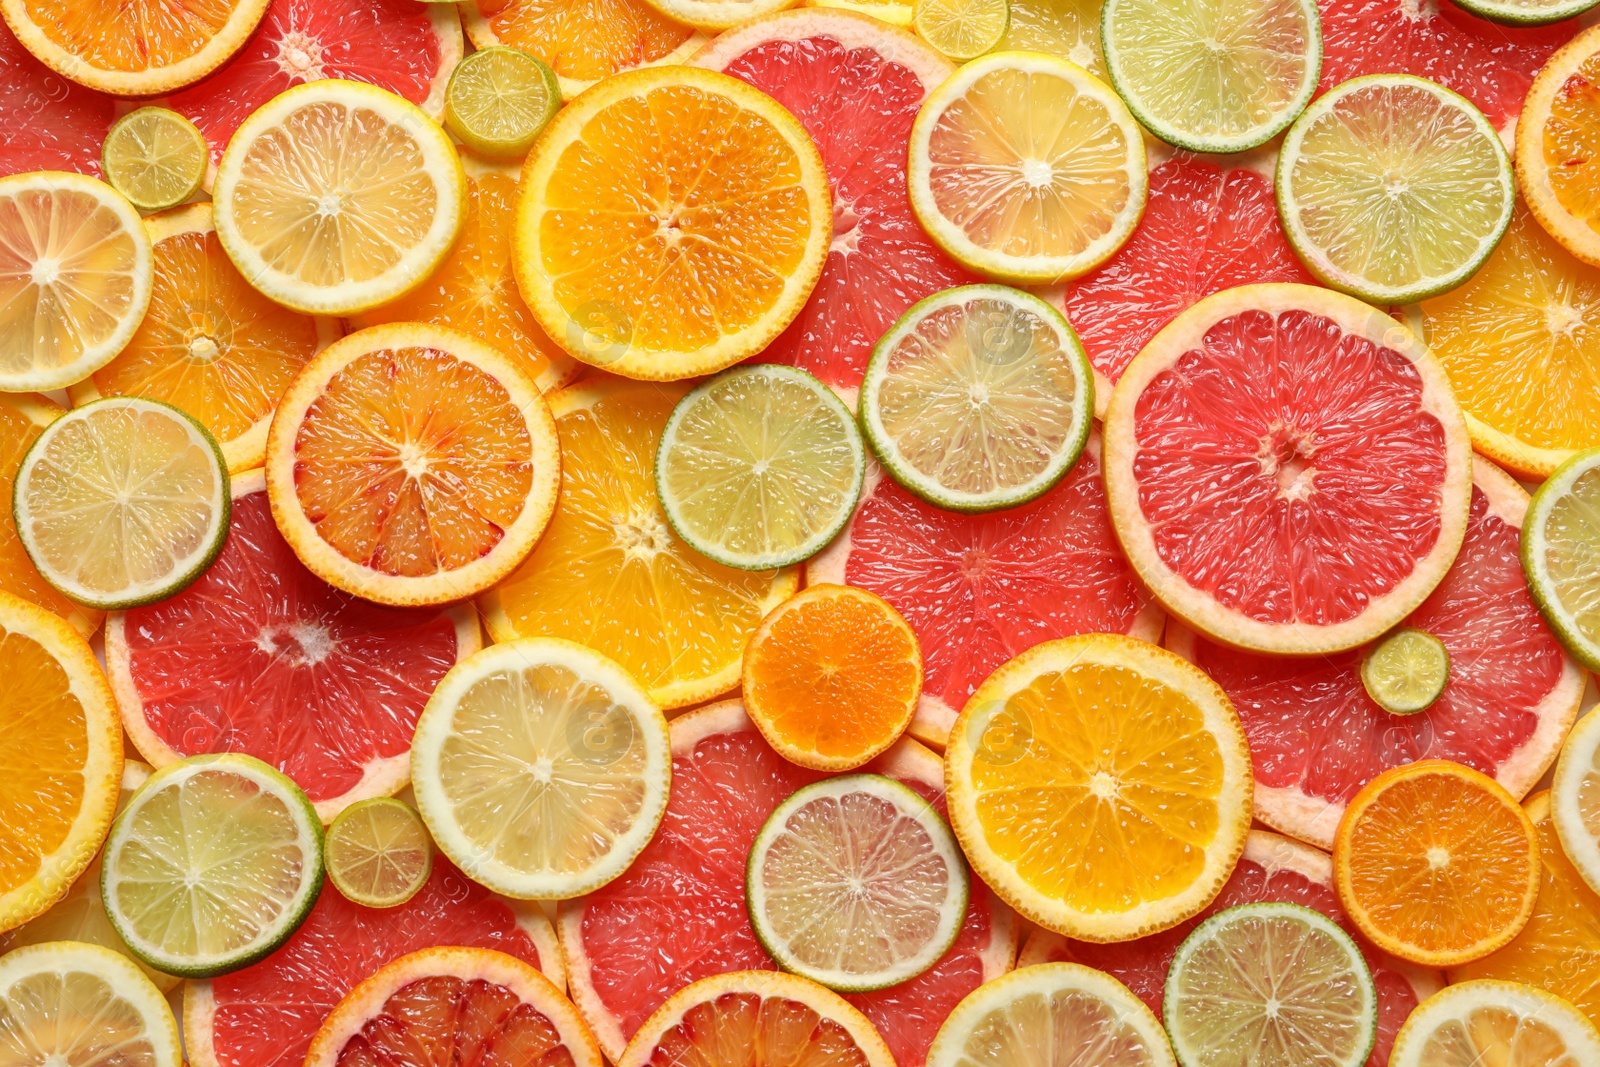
<point x="75" y="1005"/>
<point x="891" y="12"/>
<point x="65" y="123"/>
<point x="1213" y="75"/>
<point x="154" y="157"/>
<point x="1553" y="134"/>
<point x="979" y="398"/>
<point x="609" y="572"/>
<point x="1069" y="29"/>
<point x="714" y="16"/>
<point x="499" y="99"/>
<point x="1557" y="554"/>
<point x="1291" y="455"/>
<point x="582" y="42"/>
<point x="671" y="223"/>
<point x="1014" y="195"/>
<point x="961" y="29"/>
<point x="1575" y="800"/>
<point x="1406" y="671"/>
<point x="1500" y="1022"/>
<point x="377" y="852"/>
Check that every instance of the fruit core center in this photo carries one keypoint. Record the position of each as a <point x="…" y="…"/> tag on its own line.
<point x="973" y="565"/>
<point x="300" y="644"/>
<point x="1562" y="319"/>
<point x="1037" y="173"/>
<point x="1286" y="457"/>
<point x="300" y="56"/>
<point x="846" y="235"/>
<point x="978" y="394"/>
<point x="1272" y="1007"/>
<point x="203" y="349"/>
<point x="45" y="271"/>
<point x="330" y="204"/>
<point x="1103" y="785"/>
<point x="1438" y="858"/>
<point x="543" y="770"/>
<point x="1419" y="10"/>
<point x="1395" y="185"/>
<point x="641" y="536"/>
<point x="413" y="459"/>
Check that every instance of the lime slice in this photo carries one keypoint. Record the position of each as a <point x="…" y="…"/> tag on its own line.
<point x="856" y="882"/>
<point x="122" y="502"/>
<point x="68" y="1004"/>
<point x="499" y="100"/>
<point x="378" y="853"/>
<point x="1526" y="12"/>
<point x="1392" y="188"/>
<point x="961" y="29"/>
<point x="155" y="157"/>
<point x="1575" y="799"/>
<point x="1561" y="554"/>
<point x="214" y="863"/>
<point x="979" y="398"/>
<point x="1270" y="983"/>
<point x="760" y="467"/>
<point x="1406" y="671"/>
<point x="1213" y="75"/>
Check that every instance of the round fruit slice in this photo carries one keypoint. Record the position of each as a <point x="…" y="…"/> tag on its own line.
<point x="1274" y="980"/>
<point x="656" y="248"/>
<point x="1406" y="671"/>
<point x="1069" y="29"/>
<point x="154" y="157"/>
<point x="51" y="124"/>
<point x="122" y="502"/>
<point x="713" y="16"/>
<point x="74" y="1005"/>
<point x="1574" y="793"/>
<point x="541" y="768"/>
<point x="582" y="42"/>
<point x="634" y="943"/>
<point x="1213" y="76"/>
<point x="1527" y="12"/>
<point x="471" y="1005"/>
<point x="822" y="63"/>
<point x="1558" y="554"/>
<point x="961" y="29"/>
<point x="378" y="853"/>
<point x="1293" y="453"/>
<point x="411" y="465"/>
<point x="995" y="136"/>
<point x="499" y="100"/>
<point x="760" y="467"/>
<point x="1436" y="863"/>
<point x="1557" y="124"/>
<point x="979" y="398"/>
<point x="1496" y="1022"/>
<point x="609" y="572"/>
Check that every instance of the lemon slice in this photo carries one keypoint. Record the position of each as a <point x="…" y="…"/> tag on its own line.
<point x="378" y="852"/>
<point x="1561" y="554"/>
<point x="69" y="1004"/>
<point x="1470" y="1024"/>
<point x="1575" y="799"/>
<point x="961" y="29"/>
<point x="499" y="100"/>
<point x="1406" y="671"/>
<point x="155" y="157"/>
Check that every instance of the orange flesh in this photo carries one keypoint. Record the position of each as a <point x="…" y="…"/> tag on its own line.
<point x="131" y="35"/>
<point x="444" y="1021"/>
<point x="585" y="40"/>
<point x="1572" y="142"/>
<point x="18" y="575"/>
<point x="745" y="1030"/>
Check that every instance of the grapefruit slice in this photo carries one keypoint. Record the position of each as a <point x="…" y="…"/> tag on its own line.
<point x="46" y="121"/>
<point x="266" y="1015"/>
<point x="979" y="589"/>
<point x="260" y="656"/>
<point x="1272" y="868"/>
<point x="823" y="64"/>
<point x="679" y="914"/>
<point x="1316" y="737"/>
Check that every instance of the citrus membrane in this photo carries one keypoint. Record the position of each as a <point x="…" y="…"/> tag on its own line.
<point x="961" y="29"/>
<point x="69" y="1004"/>
<point x="1561" y="554"/>
<point x="499" y="101"/>
<point x="155" y="157"/>
<point x="378" y="852"/>
<point x="1406" y="671"/>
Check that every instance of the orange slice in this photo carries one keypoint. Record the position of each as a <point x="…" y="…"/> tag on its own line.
<point x="1557" y="136"/>
<point x="1436" y="863"/>
<point x="832" y="677"/>
<point x="410" y="464"/>
<point x="671" y="223"/>
<point x="210" y="344"/>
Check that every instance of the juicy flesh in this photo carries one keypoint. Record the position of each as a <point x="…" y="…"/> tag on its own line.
<point x="1499" y="1035"/>
<point x="68" y="1018"/>
<point x="68" y="122"/>
<point x="381" y="851"/>
<point x="131" y="37"/>
<point x="156" y="159"/>
<point x="962" y="29"/>
<point x="1406" y="671"/>
<point x="746" y="1030"/>
<point x="1064" y="1026"/>
<point x="18" y="575"/>
<point x="1571" y="531"/>
<point x="585" y="41"/>
<point x="442" y="1020"/>
<point x="502" y="98"/>
<point x="1069" y="29"/>
<point x="1572" y="141"/>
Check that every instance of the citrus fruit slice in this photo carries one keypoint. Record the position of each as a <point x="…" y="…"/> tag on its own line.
<point x="979" y="398"/>
<point x="609" y="573"/>
<point x="1069" y="29"/>
<point x="472" y="1005"/>
<point x="1393" y="188"/>
<point x="1026" y="168"/>
<point x="961" y="29"/>
<point x="832" y="677"/>
<point x="1575" y="800"/>
<point x="1061" y="1012"/>
<point x="52" y="124"/>
<point x="856" y="883"/>
<point x="209" y="344"/>
<point x="411" y="464"/>
<point x="122" y="502"/>
<point x="1212" y="76"/>
<point x="822" y="63"/>
<point x="760" y="467"/>
<point x="636" y="942"/>
<point x="1352" y="393"/>
<point x="1496" y="1022"/>
<point x="979" y="589"/>
<point x="1279" y="980"/>
<point x="1553" y="135"/>
<point x="155" y="157"/>
<point x="1406" y="671"/>
<point x="1436" y="863"/>
<point x="499" y="100"/>
<point x="386" y="237"/>
<point x="650" y="246"/>
<point x="76" y="1005"/>
<point x="378" y="852"/>
<point x="541" y="768"/>
<point x="1527" y="12"/>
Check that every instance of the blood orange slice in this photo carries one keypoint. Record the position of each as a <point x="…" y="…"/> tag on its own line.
<point x="46" y="121"/>
<point x="979" y="589"/>
<point x="1273" y="868"/>
<point x="1316" y="737"/>
<point x="260" y="656"/>
<point x="855" y="84"/>
<point x="678" y="914"/>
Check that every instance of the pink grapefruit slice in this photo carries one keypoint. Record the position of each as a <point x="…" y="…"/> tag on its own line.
<point x="678" y="914"/>
<point x="261" y="656"/>
<point x="855" y="84"/>
<point x="1315" y="735"/>
<point x="1287" y="469"/>
<point x="1272" y="869"/>
<point x="980" y="589"/>
<point x="46" y="121"/>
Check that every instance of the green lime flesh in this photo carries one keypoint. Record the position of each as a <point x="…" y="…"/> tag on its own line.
<point x="1561" y="554"/>
<point x="1406" y="671"/>
<point x="155" y="157"/>
<point x="499" y="100"/>
<point x="378" y="852"/>
<point x="1526" y="12"/>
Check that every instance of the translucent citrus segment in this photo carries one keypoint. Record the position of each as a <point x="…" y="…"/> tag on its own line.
<point x="1067" y="29"/>
<point x="498" y="101"/>
<point x="378" y="852"/>
<point x="1406" y="671"/>
<point x="894" y="12"/>
<point x="961" y="29"/>
<point x="1575" y="801"/>
<point x="65" y="1004"/>
<point x="1509" y="1023"/>
<point x="68" y="121"/>
<point x="1559" y="554"/>
<point x="581" y="42"/>
<point x="1556" y="137"/>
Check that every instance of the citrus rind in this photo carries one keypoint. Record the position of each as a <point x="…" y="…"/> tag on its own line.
<point x="1516" y="13"/>
<point x="1445" y="1010"/>
<point x="187" y="173"/>
<point x="1536" y="547"/>
<point x="344" y="823"/>
<point x="1577" y="772"/>
<point x="92" y="1021"/>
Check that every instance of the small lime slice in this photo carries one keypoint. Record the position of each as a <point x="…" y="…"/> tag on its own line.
<point x="1392" y="188"/>
<point x="856" y="918"/>
<point x="499" y="100"/>
<point x="1270" y="983"/>
<point x="122" y="502"/>
<point x="1526" y="12"/>
<point x="378" y="853"/>
<point x="961" y="29"/>
<point x="155" y="157"/>
<point x="1406" y="671"/>
<point x="1561" y="554"/>
<point x="760" y="467"/>
<point x="214" y="863"/>
<point x="979" y="398"/>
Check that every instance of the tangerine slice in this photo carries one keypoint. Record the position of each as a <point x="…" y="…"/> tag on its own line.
<point x="583" y="41"/>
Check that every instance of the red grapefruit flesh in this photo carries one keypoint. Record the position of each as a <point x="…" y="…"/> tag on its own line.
<point x="1316" y="737"/>
<point x="1273" y="869"/>
<point x="678" y="914"/>
<point x="855" y="84"/>
<point x="46" y="121"/>
<point x="261" y="656"/>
